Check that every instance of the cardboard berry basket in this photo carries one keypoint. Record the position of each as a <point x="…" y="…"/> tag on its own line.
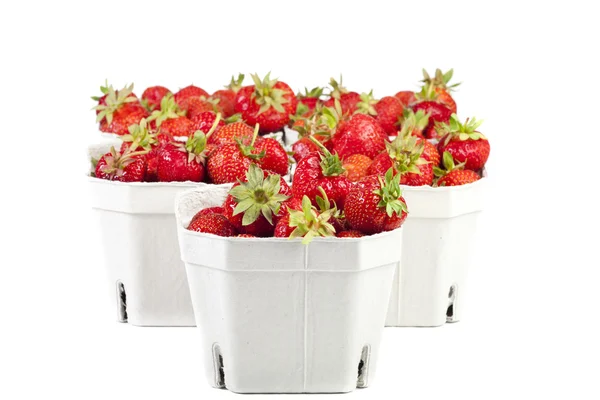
<point x="147" y="280"/>
<point x="429" y="287"/>
<point x="278" y="316"/>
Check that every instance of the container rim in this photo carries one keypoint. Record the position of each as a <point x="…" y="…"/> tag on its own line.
<point x="189" y="184"/>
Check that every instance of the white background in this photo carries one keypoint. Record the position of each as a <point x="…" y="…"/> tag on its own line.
<point x="531" y="71"/>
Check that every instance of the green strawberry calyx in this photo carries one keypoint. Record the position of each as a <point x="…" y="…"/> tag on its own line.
<point x="103" y="90"/>
<point x="323" y="123"/>
<point x="235" y="84"/>
<point x="366" y="104"/>
<point x="314" y="92"/>
<point x="440" y="80"/>
<point x="391" y="194"/>
<point x="326" y="205"/>
<point x="427" y="93"/>
<point x="310" y="223"/>
<point x="454" y="129"/>
<point x="449" y="165"/>
<point x="331" y="165"/>
<point x="337" y="90"/>
<point x="416" y="122"/>
<point x="116" y="162"/>
<point x="140" y="136"/>
<point x="248" y="150"/>
<point x="258" y="196"/>
<point x="168" y="109"/>
<point x="406" y="152"/>
<point x="195" y="146"/>
<point x="115" y="99"/>
<point x="266" y="95"/>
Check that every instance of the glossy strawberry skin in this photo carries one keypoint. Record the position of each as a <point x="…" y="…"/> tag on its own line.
<point x="389" y="110"/>
<point x="446" y="99"/>
<point x="310" y="102"/>
<point x="349" y="234"/>
<point x="406" y="97"/>
<point x="360" y="135"/>
<point x="211" y="210"/>
<point x="282" y="229"/>
<point x="196" y="106"/>
<point x="128" y="114"/>
<point x="430" y="152"/>
<point x="230" y="132"/>
<point x="293" y="203"/>
<point x="173" y="166"/>
<point x="227" y="164"/>
<point x="151" y="160"/>
<point x="474" y="152"/>
<point x="205" y="120"/>
<point x="383" y="162"/>
<point x="348" y="102"/>
<point x="304" y="146"/>
<point x="357" y="167"/>
<point x="134" y="171"/>
<point x="437" y="113"/>
<point x="184" y="94"/>
<point x="458" y="177"/>
<point x="276" y="158"/>
<point x="271" y="120"/>
<point x="213" y="223"/>
<point x="153" y="95"/>
<point x="364" y="214"/>
<point x="178" y="127"/>
<point x="226" y="101"/>
<point x="309" y="176"/>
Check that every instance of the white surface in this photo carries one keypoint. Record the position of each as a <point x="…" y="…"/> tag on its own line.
<point x="282" y="316"/>
<point x="531" y="320"/>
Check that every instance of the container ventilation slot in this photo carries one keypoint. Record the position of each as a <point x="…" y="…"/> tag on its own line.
<point x="219" y="368"/>
<point x="451" y="299"/>
<point x="121" y="303"/>
<point x="363" y="368"/>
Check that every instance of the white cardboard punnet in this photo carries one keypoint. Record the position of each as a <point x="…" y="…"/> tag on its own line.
<point x="429" y="287"/>
<point x="277" y="316"/>
<point x="147" y="279"/>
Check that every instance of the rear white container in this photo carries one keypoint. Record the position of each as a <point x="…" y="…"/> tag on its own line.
<point x="277" y="316"/>
<point x="429" y="287"/>
<point x="147" y="279"/>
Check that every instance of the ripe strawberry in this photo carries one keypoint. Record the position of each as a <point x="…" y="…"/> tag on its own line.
<point x="195" y="106"/>
<point x="438" y="112"/>
<point x="252" y="205"/>
<point x="406" y="97"/>
<point x="119" y="109"/>
<point x="212" y="210"/>
<point x="152" y="97"/>
<point x="416" y="121"/>
<point x="307" y="223"/>
<point x="321" y="170"/>
<point x="245" y="235"/>
<point x="321" y="125"/>
<point x="275" y="157"/>
<point x="178" y="127"/>
<point x="204" y="121"/>
<point x="168" y="110"/>
<point x="386" y="111"/>
<point x="356" y="167"/>
<point x="122" y="167"/>
<point x="188" y="92"/>
<point x="310" y="98"/>
<point x="140" y="138"/>
<point x="430" y="152"/>
<point x="348" y="100"/>
<point x="213" y="223"/>
<point x="360" y="135"/>
<point x="230" y="132"/>
<point x="465" y="143"/>
<point x="440" y="83"/>
<point x="404" y="156"/>
<point x="108" y="88"/>
<point x="268" y="102"/>
<point x="454" y="175"/>
<point x="226" y="97"/>
<point x="283" y="228"/>
<point x="350" y="234"/>
<point x="375" y="205"/>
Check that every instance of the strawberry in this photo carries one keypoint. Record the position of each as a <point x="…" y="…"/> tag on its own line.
<point x="406" y="97"/>
<point x="251" y="205"/>
<point x="283" y="228"/>
<point x="268" y="103"/>
<point x="168" y="110"/>
<point x="212" y="210"/>
<point x="386" y="111"/>
<point x="350" y="234"/>
<point x="118" y="109"/>
<point x="178" y="127"/>
<point x="275" y="157"/>
<point x="356" y="167"/>
<point x="152" y="97"/>
<point x="308" y="222"/>
<point x="375" y="205"/>
<point x="417" y="121"/>
<point x="454" y="175"/>
<point x="348" y="100"/>
<point x="204" y="121"/>
<point x="360" y="135"/>
<point x="404" y="156"/>
<point x="321" y="170"/>
<point x="230" y="132"/>
<point x="213" y="223"/>
<point x="105" y="91"/>
<point x="226" y="97"/>
<point x="195" y="106"/>
<point x="437" y="112"/>
<point x="122" y="167"/>
<point x="310" y="98"/>
<point x="188" y="92"/>
<point x="430" y="152"/>
<point x="465" y="143"/>
<point x="440" y="83"/>
<point x="141" y="139"/>
<point x="245" y="235"/>
<point x="321" y="125"/>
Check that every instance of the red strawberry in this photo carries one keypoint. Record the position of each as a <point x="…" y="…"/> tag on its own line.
<point x="416" y="121"/>
<point x="188" y="92"/>
<point x="152" y="97"/>
<point x="119" y="109"/>
<point x="123" y="167"/>
<point x="438" y="112"/>
<point x="127" y="94"/>
<point x="245" y="235"/>
<point x="454" y="175"/>
<point x="350" y="234"/>
<point x="268" y="102"/>
<point x="386" y="111"/>
<point x="465" y="143"/>
<point x="196" y="106"/>
<point x="375" y="205"/>
<point x="213" y="223"/>
<point x="252" y="205"/>
<point x="230" y="132"/>
<point x="178" y="127"/>
<point x="321" y="170"/>
<point x="404" y="156"/>
<point x="204" y="121"/>
<point x="440" y="83"/>
<point x="406" y="97"/>
<point x="141" y="139"/>
<point x="303" y="147"/>
<point x="307" y="223"/>
<point x="360" y="135"/>
<point x="283" y="228"/>
<point x="212" y="210"/>
<point x="310" y="98"/>
<point x="348" y="100"/>
<point x="226" y="97"/>
<point x="357" y="166"/>
<point x="275" y="157"/>
<point x="321" y="125"/>
<point x="430" y="152"/>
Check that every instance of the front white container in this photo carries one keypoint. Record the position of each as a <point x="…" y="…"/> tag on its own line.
<point x="429" y="287"/>
<point x="147" y="280"/>
<point x="277" y="316"/>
